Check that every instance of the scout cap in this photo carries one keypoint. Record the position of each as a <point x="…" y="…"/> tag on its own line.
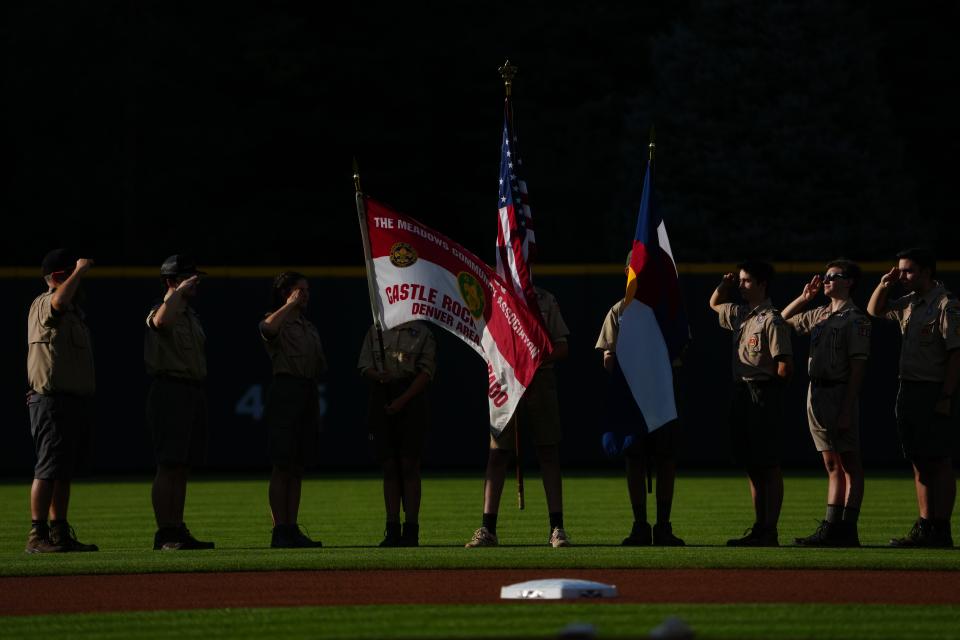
<point x="58" y="260"/>
<point x="180" y="265"/>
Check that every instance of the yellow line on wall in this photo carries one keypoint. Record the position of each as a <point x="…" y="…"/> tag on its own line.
<point x="584" y="269"/>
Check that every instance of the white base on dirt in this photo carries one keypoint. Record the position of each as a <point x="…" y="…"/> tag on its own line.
<point x="557" y="589"/>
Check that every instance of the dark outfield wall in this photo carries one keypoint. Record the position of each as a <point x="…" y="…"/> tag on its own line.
<point x="231" y="307"/>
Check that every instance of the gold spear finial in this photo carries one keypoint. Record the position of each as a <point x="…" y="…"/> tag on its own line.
<point x="508" y="72"/>
<point x="356" y="175"/>
<point x="653" y="142"/>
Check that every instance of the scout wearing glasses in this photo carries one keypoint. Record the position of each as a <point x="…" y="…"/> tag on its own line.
<point x="927" y="404"/>
<point x="839" y="347"/>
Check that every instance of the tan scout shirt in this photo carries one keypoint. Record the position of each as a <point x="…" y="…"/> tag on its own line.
<point x="759" y="336"/>
<point x="930" y="326"/>
<point x="59" y="353"/>
<point x="552" y="320"/>
<point x="835" y="339"/>
<point x="176" y="350"/>
<point x="411" y="348"/>
<point x="296" y="351"/>
<point x="610" y="329"/>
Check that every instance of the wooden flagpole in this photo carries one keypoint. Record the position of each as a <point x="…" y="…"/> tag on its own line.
<point x="368" y="261"/>
<point x="508" y="72"/>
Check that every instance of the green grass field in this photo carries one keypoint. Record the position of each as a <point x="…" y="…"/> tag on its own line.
<point x="346" y="513"/>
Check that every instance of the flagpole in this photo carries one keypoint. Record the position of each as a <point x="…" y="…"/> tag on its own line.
<point x="368" y="260"/>
<point x="508" y="72"/>
<point x="653" y="149"/>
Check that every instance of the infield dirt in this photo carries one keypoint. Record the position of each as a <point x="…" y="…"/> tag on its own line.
<point x="167" y="591"/>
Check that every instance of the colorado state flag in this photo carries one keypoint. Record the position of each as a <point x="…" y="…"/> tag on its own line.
<point x="653" y="323"/>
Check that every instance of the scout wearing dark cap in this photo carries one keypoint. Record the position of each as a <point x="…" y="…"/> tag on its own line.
<point x="58" y="260"/>
<point x="176" y="403"/>
<point x="180" y="265"/>
<point x="61" y="377"/>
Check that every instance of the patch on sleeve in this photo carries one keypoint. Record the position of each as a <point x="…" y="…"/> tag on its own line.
<point x="864" y="327"/>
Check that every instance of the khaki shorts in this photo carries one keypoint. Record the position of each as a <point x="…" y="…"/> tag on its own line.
<point x="538" y="413"/>
<point x="823" y="409"/>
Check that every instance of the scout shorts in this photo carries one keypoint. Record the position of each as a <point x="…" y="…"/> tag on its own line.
<point x="292" y="416"/>
<point x="401" y="434"/>
<point x="755" y="416"/>
<point x="61" y="426"/>
<point x="177" y="419"/>
<point x="659" y="445"/>
<point x="823" y="408"/>
<point x="923" y="432"/>
<point x="538" y="413"/>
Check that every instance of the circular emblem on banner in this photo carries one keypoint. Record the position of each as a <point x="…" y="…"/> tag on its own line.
<point x="402" y="255"/>
<point x="472" y="293"/>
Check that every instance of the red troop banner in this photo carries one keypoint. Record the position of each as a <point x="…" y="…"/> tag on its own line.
<point x="420" y="274"/>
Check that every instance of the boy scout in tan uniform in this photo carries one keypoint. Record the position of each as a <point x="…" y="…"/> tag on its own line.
<point x="173" y="352"/>
<point x="61" y="377"/>
<point x="762" y="363"/>
<point x="399" y="418"/>
<point x="928" y="407"/>
<point x="639" y="447"/>
<point x="839" y="348"/>
<point x="292" y="413"/>
<point x="538" y="413"/>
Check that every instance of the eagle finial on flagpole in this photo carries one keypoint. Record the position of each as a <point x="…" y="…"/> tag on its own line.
<point x="508" y="72"/>
<point x="356" y="175"/>
<point x="653" y="142"/>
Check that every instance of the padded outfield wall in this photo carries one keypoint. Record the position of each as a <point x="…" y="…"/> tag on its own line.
<point x="233" y="299"/>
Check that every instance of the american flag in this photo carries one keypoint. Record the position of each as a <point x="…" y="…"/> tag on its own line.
<point x="516" y="242"/>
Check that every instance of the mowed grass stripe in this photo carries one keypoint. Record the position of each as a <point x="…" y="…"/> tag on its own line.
<point x="522" y="620"/>
<point x="346" y="514"/>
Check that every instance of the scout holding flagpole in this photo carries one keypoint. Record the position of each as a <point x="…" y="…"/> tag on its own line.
<point x="642" y="340"/>
<point x="538" y="410"/>
<point x="417" y="276"/>
<point x="398" y="410"/>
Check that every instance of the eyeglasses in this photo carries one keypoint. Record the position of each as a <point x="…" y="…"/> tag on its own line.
<point x="830" y="277"/>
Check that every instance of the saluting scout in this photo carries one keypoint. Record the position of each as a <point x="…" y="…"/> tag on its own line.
<point x="292" y="414"/>
<point x="839" y="347"/>
<point x="762" y="363"/>
<point x="399" y="419"/>
<point x="61" y="377"/>
<point x="927" y="406"/>
<point x="173" y="351"/>
<point x="537" y="413"/>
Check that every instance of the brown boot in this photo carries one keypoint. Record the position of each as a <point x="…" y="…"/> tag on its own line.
<point x="62" y="535"/>
<point x="38" y="541"/>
